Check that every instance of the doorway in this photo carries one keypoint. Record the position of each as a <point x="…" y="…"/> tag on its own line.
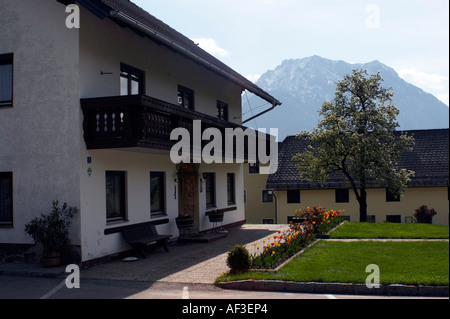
<point x="188" y="199"/>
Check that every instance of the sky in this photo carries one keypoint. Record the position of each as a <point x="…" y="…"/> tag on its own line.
<point x="254" y="36"/>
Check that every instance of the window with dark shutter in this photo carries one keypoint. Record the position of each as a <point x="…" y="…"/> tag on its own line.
<point x="6" y="199"/>
<point x="6" y="79"/>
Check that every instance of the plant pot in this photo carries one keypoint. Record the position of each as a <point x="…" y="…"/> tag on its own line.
<point x="216" y="217"/>
<point x="184" y="222"/>
<point x="52" y="258"/>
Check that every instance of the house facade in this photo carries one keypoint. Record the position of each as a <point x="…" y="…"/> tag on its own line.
<point x="86" y="116"/>
<point x="275" y="198"/>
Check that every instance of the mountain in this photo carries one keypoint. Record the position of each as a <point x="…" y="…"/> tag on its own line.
<point x="303" y="85"/>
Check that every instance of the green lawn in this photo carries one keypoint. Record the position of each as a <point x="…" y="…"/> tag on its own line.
<point x="415" y="263"/>
<point x="391" y="230"/>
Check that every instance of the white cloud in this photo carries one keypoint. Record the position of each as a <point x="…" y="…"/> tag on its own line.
<point x="435" y="84"/>
<point x="210" y="46"/>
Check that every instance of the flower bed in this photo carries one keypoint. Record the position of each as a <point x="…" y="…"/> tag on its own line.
<point x="280" y="247"/>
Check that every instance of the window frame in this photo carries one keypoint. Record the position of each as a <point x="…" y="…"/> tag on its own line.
<point x="222" y="111"/>
<point x="129" y="72"/>
<point x="264" y="199"/>
<point x="9" y="177"/>
<point x="253" y="168"/>
<point x="391" y="197"/>
<point x="340" y="197"/>
<point x="8" y="59"/>
<point x="289" y="197"/>
<point x="161" y="211"/>
<point x="123" y="213"/>
<point x="210" y="187"/>
<point x="184" y="94"/>
<point x="231" y="188"/>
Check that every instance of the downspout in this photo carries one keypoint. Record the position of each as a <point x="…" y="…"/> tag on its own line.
<point x="262" y="113"/>
<point x="276" y="206"/>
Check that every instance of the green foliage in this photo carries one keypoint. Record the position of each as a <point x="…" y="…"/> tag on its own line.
<point x="357" y="138"/>
<point x="278" y="248"/>
<point x="238" y="258"/>
<point x="424" y="215"/>
<point x="391" y="230"/>
<point x="52" y="230"/>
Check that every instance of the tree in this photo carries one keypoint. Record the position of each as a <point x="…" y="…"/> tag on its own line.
<point x="357" y="138"/>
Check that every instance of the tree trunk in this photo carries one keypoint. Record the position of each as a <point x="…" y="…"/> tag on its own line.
<point x="363" y="206"/>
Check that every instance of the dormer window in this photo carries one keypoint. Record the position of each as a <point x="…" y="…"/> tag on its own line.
<point x="131" y="80"/>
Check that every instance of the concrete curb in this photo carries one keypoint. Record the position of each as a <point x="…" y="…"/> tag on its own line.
<point x="335" y="288"/>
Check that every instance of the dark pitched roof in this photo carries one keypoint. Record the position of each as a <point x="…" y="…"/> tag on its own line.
<point x="140" y="20"/>
<point x="429" y="159"/>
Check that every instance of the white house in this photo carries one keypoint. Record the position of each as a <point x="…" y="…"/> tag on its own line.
<point x="86" y="115"/>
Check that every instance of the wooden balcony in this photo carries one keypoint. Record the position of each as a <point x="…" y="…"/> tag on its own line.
<point x="140" y="121"/>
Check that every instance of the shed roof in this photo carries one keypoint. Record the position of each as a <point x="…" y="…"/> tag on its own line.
<point x="429" y="159"/>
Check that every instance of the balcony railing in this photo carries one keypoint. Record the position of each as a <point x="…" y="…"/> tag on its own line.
<point x="141" y="121"/>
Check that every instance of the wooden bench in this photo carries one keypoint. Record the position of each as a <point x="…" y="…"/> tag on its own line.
<point x="139" y="236"/>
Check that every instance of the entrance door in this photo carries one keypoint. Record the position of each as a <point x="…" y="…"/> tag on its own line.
<point x="188" y="192"/>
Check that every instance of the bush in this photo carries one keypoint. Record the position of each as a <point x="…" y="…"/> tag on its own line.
<point x="238" y="258"/>
<point x="424" y="215"/>
<point x="320" y="220"/>
<point x="312" y="216"/>
<point x="52" y="230"/>
<point x="278" y="248"/>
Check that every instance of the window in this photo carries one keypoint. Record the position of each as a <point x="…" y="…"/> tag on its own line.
<point x="293" y="196"/>
<point x="6" y="199"/>
<point x="185" y="97"/>
<point x="394" y="219"/>
<point x="268" y="221"/>
<point x="210" y="185"/>
<point x="392" y="197"/>
<point x="222" y="110"/>
<point x="267" y="196"/>
<point x="253" y="168"/>
<point x="115" y="196"/>
<point x="6" y="79"/>
<point x="342" y="196"/>
<point x="157" y="194"/>
<point x="231" y="190"/>
<point x="131" y="80"/>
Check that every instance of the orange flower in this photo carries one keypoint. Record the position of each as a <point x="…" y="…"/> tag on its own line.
<point x="273" y="253"/>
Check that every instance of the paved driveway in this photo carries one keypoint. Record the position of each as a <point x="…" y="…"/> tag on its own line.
<point x="185" y="262"/>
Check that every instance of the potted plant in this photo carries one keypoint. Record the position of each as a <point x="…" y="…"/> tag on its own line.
<point x="215" y="216"/>
<point x="184" y="221"/>
<point x="52" y="231"/>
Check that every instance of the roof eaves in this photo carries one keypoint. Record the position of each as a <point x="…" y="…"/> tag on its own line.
<point x="174" y="40"/>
